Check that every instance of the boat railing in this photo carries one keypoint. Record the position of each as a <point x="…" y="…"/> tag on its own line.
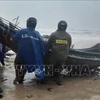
<point x="5" y="23"/>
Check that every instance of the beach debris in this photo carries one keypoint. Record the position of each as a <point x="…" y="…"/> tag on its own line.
<point x="89" y="82"/>
<point x="3" y="80"/>
<point x="30" y="96"/>
<point x="49" y="89"/>
<point x="92" y="70"/>
<point x="96" y="78"/>
<point x="99" y="67"/>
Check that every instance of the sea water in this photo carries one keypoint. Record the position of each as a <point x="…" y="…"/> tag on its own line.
<point x="80" y="38"/>
<point x="85" y="38"/>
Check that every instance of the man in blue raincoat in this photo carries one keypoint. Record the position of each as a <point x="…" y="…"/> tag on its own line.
<point x="30" y="52"/>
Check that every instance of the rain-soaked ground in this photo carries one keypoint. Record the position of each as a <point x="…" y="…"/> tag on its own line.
<point x="73" y="88"/>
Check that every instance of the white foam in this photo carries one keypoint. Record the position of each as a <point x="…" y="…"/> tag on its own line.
<point x="10" y="52"/>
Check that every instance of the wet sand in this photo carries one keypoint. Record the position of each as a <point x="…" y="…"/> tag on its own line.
<point x="73" y="88"/>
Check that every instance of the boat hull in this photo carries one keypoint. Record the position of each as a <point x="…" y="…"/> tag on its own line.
<point x="92" y="63"/>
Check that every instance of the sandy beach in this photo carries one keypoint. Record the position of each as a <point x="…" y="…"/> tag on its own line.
<point x="73" y="88"/>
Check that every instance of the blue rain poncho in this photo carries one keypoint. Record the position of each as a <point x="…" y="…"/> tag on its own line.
<point x="31" y="49"/>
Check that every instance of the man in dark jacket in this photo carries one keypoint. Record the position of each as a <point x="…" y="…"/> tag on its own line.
<point x="59" y="44"/>
<point x="2" y="53"/>
<point x="30" y="51"/>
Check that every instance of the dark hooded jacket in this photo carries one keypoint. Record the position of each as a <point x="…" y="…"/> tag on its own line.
<point x="59" y="44"/>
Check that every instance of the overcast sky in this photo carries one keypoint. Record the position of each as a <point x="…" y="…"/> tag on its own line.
<point x="78" y="14"/>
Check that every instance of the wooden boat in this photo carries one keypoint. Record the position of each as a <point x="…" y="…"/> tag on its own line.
<point x="85" y="53"/>
<point x="88" y="56"/>
<point x="91" y="62"/>
<point x="95" y="48"/>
